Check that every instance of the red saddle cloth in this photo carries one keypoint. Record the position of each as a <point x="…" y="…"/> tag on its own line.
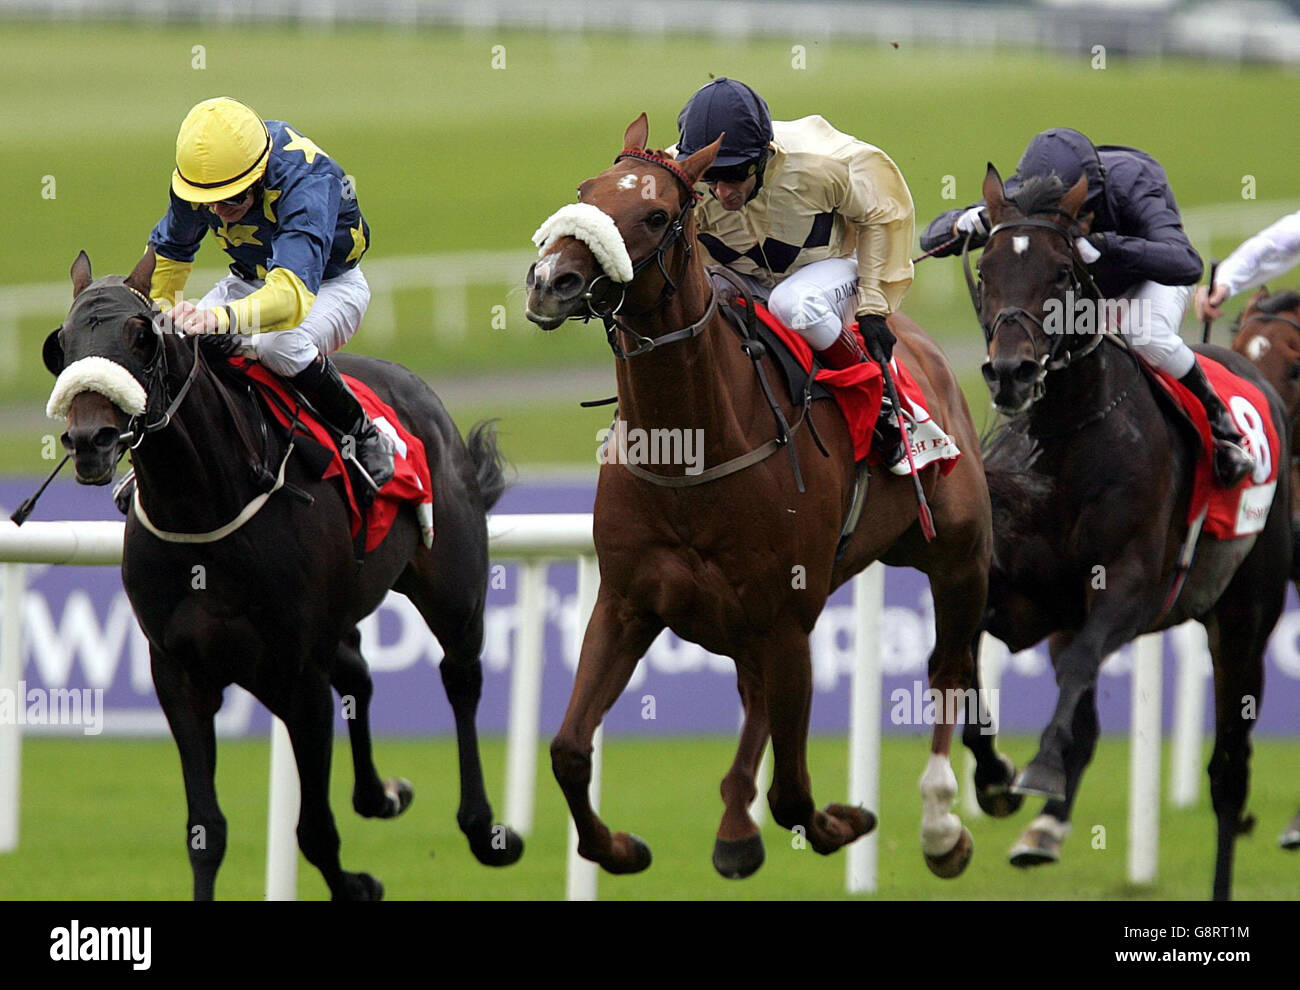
<point x="410" y="483"/>
<point x="1242" y="510"/>
<point x="858" y="391"/>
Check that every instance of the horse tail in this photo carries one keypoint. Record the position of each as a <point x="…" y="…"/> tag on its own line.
<point x="489" y="462"/>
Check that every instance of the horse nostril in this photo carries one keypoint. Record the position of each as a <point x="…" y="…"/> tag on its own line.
<point x="568" y="285"/>
<point x="530" y="280"/>
<point x="990" y="374"/>
<point x="1027" y="372"/>
<point x="105" y="438"/>
<point x="68" y="445"/>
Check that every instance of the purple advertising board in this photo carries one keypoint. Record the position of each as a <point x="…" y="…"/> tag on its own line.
<point x="79" y="633"/>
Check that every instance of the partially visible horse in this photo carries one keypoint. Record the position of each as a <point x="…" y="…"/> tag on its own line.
<point x="1268" y="332"/>
<point x="737" y="558"/>
<point x="1091" y="484"/>
<point x="273" y="606"/>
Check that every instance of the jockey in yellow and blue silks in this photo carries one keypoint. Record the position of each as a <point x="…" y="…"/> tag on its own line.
<point x="288" y="217"/>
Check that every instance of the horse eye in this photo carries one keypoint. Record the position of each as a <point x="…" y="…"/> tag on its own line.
<point x="1294" y="373"/>
<point x="657" y="219"/>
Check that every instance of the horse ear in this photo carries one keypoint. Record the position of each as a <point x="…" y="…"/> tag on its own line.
<point x="1073" y="199"/>
<point x="700" y="162"/>
<point x="1260" y="295"/>
<point x="80" y="273"/>
<point x="995" y="197"/>
<point x="52" y="353"/>
<point x="141" y="277"/>
<point x="637" y="132"/>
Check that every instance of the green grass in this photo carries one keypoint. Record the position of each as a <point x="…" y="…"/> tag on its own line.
<point x="105" y="819"/>
<point x="451" y="155"/>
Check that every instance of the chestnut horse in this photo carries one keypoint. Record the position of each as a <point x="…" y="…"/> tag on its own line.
<point x="1268" y="332"/>
<point x="271" y="604"/>
<point x="1090" y="485"/>
<point x="742" y="564"/>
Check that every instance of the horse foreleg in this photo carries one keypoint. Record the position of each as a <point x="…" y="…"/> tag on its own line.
<point x="738" y="849"/>
<point x="371" y="797"/>
<point x="189" y="712"/>
<point x="616" y="638"/>
<point x="787" y="685"/>
<point x="994" y="772"/>
<point x="309" y="717"/>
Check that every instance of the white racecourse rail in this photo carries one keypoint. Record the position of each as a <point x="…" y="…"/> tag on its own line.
<point x="536" y="539"/>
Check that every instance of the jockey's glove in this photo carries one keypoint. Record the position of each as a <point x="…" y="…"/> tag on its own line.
<point x="974" y="221"/>
<point x="1090" y="248"/>
<point x="876" y="335"/>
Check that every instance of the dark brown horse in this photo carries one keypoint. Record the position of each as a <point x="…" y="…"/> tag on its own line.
<point x="743" y="564"/>
<point x="1090" y="485"/>
<point x="273" y="606"/>
<point x="1268" y="333"/>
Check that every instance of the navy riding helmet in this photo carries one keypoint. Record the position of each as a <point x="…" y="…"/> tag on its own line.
<point x="1065" y="152"/>
<point x="726" y="105"/>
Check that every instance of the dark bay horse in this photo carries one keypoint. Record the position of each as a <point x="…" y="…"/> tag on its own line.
<point x="1090" y="485"/>
<point x="1268" y="333"/>
<point x="742" y="564"/>
<point x="273" y="606"/>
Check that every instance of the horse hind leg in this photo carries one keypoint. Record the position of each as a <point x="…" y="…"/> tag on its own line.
<point x="190" y="712"/>
<point x="738" y="849"/>
<point x="371" y="797"/>
<point x="453" y="610"/>
<point x="1290" y="837"/>
<point x="787" y="683"/>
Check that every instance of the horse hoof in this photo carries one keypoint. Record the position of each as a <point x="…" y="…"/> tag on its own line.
<point x="640" y="855"/>
<point x="501" y="846"/>
<point x="1040" y="844"/>
<point x="398" y="794"/>
<point x="1042" y="781"/>
<point x="998" y="800"/>
<point x="360" y="887"/>
<point x="1290" y="839"/>
<point x="954" y="862"/>
<point x="859" y="820"/>
<point x="736" y="859"/>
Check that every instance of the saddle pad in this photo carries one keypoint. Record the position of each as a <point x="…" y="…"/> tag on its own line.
<point x="858" y="392"/>
<point x="1242" y="510"/>
<point x="410" y="483"/>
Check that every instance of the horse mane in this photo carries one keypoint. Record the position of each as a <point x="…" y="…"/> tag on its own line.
<point x="1009" y="452"/>
<point x="1039" y="193"/>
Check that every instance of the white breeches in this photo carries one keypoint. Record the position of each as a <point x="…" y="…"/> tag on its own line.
<point x="1149" y="314"/>
<point x="818" y="300"/>
<point x="334" y="318"/>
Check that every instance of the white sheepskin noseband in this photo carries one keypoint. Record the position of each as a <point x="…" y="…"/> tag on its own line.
<point x="596" y="229"/>
<point x="96" y="374"/>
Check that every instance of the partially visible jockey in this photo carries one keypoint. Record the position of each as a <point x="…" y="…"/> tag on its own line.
<point x="1274" y="250"/>
<point x="288" y="218"/>
<point x="817" y="223"/>
<point x="1136" y="250"/>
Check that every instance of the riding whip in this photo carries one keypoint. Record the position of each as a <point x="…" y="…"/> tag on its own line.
<point x="923" y="508"/>
<point x="1209" y="321"/>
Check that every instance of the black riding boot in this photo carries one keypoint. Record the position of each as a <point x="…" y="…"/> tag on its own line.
<point x="1232" y="461"/>
<point x="845" y="352"/>
<point x="323" y="387"/>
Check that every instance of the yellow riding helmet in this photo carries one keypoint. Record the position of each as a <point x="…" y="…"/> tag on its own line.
<point x="221" y="150"/>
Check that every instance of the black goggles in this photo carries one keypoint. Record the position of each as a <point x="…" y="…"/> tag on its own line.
<point x="240" y="198"/>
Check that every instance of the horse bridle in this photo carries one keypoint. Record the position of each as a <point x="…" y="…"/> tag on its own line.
<point x="1272" y="316"/>
<point x="1058" y="355"/>
<point x="155" y="378"/>
<point x="608" y="314"/>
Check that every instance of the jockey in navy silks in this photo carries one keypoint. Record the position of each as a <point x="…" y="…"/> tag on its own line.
<point x="288" y="217"/>
<point x="817" y="223"/>
<point x="1136" y="250"/>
